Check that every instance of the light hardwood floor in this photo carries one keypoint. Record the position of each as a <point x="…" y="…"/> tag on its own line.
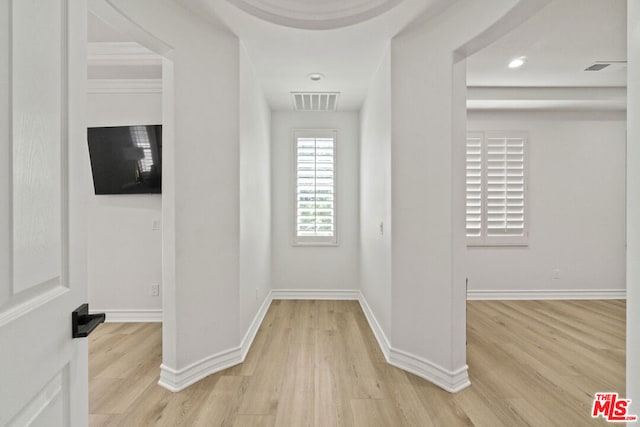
<point x="316" y="363"/>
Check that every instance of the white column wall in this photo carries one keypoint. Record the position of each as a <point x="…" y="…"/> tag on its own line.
<point x="201" y="236"/>
<point x="421" y="196"/>
<point x="428" y="122"/>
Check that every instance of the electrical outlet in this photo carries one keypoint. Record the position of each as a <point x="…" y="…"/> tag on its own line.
<point x="155" y="225"/>
<point x="555" y="273"/>
<point x="257" y="294"/>
<point x="155" y="289"/>
<point x="381" y="228"/>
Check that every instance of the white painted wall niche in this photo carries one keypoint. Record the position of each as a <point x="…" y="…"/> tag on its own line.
<point x="315" y="267"/>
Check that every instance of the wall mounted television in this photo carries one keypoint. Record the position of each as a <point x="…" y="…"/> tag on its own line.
<point x="126" y="159"/>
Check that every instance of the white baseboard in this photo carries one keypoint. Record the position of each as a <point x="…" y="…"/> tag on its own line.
<point x="130" y="316"/>
<point x="451" y="381"/>
<point x="177" y="380"/>
<point x="383" y="341"/>
<point x="553" y="294"/>
<point x="322" y="294"/>
<point x="255" y="325"/>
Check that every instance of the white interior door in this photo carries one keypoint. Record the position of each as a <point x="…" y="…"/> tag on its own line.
<point x="43" y="186"/>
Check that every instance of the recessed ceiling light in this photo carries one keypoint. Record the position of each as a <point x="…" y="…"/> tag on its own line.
<point x="517" y="62"/>
<point x="316" y="76"/>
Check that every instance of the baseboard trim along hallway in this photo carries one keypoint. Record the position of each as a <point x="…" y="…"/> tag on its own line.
<point x="547" y="294"/>
<point x="155" y="315"/>
<point x="451" y="381"/>
<point x="321" y="294"/>
<point x="177" y="380"/>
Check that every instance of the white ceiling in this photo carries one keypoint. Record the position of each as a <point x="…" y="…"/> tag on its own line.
<point x="284" y="56"/>
<point x="559" y="42"/>
<point x="285" y="45"/>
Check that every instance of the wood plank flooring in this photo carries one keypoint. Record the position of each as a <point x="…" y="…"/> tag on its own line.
<point x="316" y="363"/>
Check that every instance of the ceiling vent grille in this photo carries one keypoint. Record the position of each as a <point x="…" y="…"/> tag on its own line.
<point x="315" y="101"/>
<point x="607" y="66"/>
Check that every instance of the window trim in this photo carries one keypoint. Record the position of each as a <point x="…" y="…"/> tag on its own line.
<point x="313" y="240"/>
<point x="499" y="241"/>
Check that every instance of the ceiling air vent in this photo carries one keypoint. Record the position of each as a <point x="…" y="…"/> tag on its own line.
<point x="607" y="66"/>
<point x="315" y="101"/>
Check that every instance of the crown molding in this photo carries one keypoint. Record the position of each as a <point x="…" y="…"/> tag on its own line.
<point x="547" y="98"/>
<point x="124" y="86"/>
<point x="121" y="54"/>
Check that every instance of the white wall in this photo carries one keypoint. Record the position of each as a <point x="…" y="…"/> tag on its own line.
<point x="375" y="195"/>
<point x="576" y="201"/>
<point x="201" y="185"/>
<point x="314" y="267"/>
<point x="427" y="130"/>
<point x="255" y="193"/>
<point x="427" y="306"/>
<point x="633" y="206"/>
<point x="124" y="251"/>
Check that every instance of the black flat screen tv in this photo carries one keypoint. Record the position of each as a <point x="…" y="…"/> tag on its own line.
<point x="126" y="159"/>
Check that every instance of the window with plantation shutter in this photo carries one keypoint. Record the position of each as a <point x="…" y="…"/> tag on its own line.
<point x="496" y="188"/>
<point x="315" y="187"/>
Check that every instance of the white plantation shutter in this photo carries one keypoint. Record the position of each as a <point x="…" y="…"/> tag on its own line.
<point x="496" y="188"/>
<point x="315" y="187"/>
<point x="505" y="186"/>
<point x="474" y="185"/>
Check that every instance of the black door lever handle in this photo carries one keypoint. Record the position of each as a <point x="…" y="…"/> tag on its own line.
<point x="83" y="323"/>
